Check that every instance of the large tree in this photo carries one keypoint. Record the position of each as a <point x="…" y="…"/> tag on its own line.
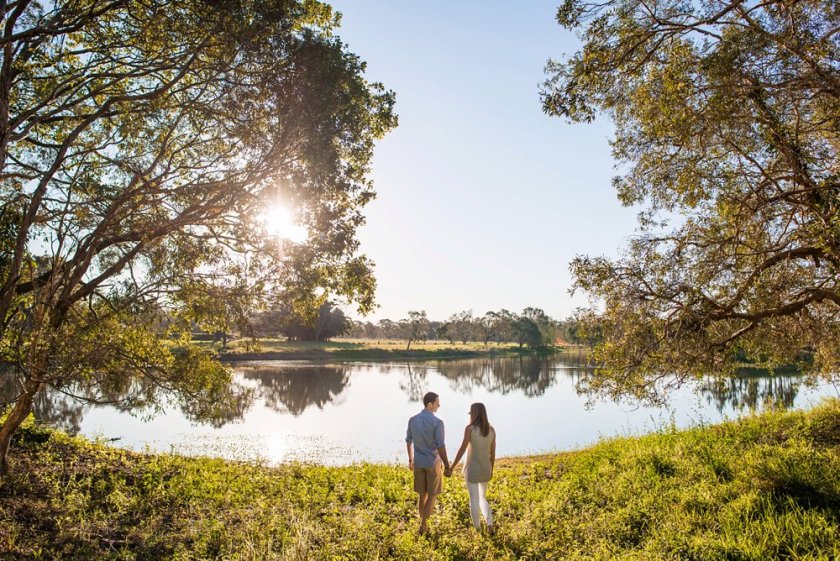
<point x="139" y="141"/>
<point x="322" y="324"/>
<point x="415" y="327"/>
<point x="461" y="326"/>
<point x="727" y="116"/>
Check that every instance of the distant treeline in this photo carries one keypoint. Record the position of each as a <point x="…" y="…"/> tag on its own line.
<point x="533" y="327"/>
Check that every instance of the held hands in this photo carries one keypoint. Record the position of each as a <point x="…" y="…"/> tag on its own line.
<point x="448" y="472"/>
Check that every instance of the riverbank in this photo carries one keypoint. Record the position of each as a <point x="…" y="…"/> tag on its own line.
<point x="766" y="487"/>
<point x="371" y="350"/>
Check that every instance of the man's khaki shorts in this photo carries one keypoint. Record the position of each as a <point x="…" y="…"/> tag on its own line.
<point x="429" y="480"/>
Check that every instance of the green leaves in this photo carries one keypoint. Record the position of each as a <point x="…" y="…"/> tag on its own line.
<point x="141" y="141"/>
<point x="720" y="111"/>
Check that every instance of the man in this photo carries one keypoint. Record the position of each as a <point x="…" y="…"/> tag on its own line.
<point x="427" y="456"/>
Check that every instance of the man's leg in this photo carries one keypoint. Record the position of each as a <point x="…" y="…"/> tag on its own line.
<point x="421" y="508"/>
<point x="426" y="502"/>
<point x="427" y="512"/>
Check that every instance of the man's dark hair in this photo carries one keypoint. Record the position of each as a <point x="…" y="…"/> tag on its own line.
<point x="430" y="397"/>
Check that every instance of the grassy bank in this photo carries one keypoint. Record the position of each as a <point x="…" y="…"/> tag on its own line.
<point x="367" y="349"/>
<point x="763" y="488"/>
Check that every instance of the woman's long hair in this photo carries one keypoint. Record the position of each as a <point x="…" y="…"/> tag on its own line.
<point x="478" y="413"/>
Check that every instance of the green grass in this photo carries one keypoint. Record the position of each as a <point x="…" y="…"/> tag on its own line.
<point x="766" y="487"/>
<point x="362" y="349"/>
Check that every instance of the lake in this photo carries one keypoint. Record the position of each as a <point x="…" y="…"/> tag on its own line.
<point x="343" y="413"/>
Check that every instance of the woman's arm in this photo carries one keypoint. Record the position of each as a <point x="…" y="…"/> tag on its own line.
<point x="493" y="451"/>
<point x="463" y="447"/>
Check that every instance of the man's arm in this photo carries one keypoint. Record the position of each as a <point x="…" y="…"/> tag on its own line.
<point x="493" y="452"/>
<point x="440" y="442"/>
<point x="442" y="454"/>
<point x="409" y="446"/>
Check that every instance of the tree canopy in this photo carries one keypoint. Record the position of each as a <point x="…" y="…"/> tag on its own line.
<point x="140" y="141"/>
<point x="727" y="116"/>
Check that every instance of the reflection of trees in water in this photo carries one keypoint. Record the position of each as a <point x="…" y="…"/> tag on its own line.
<point x="412" y="376"/>
<point x="65" y="407"/>
<point x="293" y="389"/>
<point x="415" y="382"/>
<point x="575" y="360"/>
<point x="58" y="410"/>
<point x="531" y="374"/>
<point x="751" y="391"/>
<point x="49" y="407"/>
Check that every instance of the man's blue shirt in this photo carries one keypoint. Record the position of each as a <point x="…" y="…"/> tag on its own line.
<point x="426" y="432"/>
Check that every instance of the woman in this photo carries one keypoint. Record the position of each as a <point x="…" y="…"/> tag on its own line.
<point x="480" y="445"/>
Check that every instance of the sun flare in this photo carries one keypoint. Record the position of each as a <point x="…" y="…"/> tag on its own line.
<point x="279" y="221"/>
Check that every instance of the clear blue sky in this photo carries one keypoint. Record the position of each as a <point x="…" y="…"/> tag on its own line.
<point x="482" y="199"/>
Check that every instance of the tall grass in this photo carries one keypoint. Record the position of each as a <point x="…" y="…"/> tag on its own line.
<point x="766" y="487"/>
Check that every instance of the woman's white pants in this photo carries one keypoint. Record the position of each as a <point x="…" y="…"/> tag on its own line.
<point x="478" y="501"/>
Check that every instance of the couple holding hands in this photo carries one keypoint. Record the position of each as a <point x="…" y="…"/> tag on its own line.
<point x="427" y="458"/>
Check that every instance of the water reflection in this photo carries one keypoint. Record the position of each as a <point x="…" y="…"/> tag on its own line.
<point x="414" y="382"/>
<point x="532" y="375"/>
<point x="65" y="407"/>
<point x="750" y="392"/>
<point x="292" y="388"/>
<point x="50" y="407"/>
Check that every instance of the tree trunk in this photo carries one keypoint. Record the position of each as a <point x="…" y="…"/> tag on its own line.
<point x="19" y="412"/>
<point x="409" y="345"/>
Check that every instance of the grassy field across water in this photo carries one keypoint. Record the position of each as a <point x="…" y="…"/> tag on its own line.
<point x="766" y="487"/>
<point x="367" y="349"/>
